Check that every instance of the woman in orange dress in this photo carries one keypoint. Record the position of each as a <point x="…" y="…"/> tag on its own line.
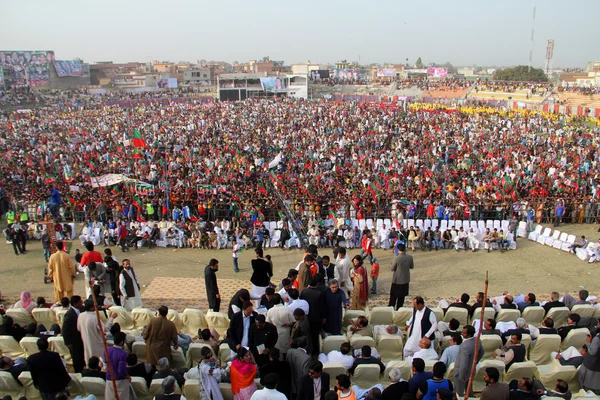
<point x="243" y="372"/>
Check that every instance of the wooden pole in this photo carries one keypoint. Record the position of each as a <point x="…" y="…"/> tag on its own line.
<point x="101" y="327"/>
<point x="477" y="339"/>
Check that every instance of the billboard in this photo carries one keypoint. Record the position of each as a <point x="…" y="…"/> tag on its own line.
<point x="272" y="84"/>
<point x="167" y="83"/>
<point x="30" y="68"/>
<point x="1" y="78"/>
<point x="436" y="72"/>
<point x="345" y="74"/>
<point x="390" y="72"/>
<point x="319" y="74"/>
<point x="68" y="68"/>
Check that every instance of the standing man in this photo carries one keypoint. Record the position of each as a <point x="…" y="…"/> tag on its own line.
<point x="558" y="213"/>
<point x="71" y="334"/>
<point x="62" y="271"/>
<point x="159" y="335"/>
<point x="118" y="361"/>
<point x="464" y="359"/>
<point x="401" y="267"/>
<point x="261" y="275"/>
<point x="212" y="289"/>
<point x="315" y="384"/>
<point x="240" y="331"/>
<point x="130" y="287"/>
<point x="48" y="373"/>
<point x="87" y="325"/>
<point x="422" y="324"/>
<point x="341" y="272"/>
<point x="335" y="300"/>
<point x="316" y="306"/>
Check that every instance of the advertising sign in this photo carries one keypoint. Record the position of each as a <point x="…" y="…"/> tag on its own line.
<point x="68" y="67"/>
<point x="436" y="72"/>
<point x="30" y="68"/>
<point x="389" y="72"/>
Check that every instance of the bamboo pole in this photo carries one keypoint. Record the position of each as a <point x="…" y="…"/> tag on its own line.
<point x="101" y="327"/>
<point x="477" y="339"/>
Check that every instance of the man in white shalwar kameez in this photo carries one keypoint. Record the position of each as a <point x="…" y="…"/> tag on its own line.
<point x="422" y="317"/>
<point x="130" y="287"/>
<point x="281" y="316"/>
<point x="87" y="325"/>
<point x="342" y="271"/>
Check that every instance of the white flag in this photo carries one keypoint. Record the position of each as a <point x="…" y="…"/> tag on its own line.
<point x="276" y="161"/>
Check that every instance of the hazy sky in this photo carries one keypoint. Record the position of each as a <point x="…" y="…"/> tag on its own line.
<point x="464" y="32"/>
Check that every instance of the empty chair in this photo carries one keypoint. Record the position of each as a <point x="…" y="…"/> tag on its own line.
<point x="174" y="317"/>
<point x="534" y="315"/>
<point x="20" y="316"/>
<point x="191" y="389"/>
<point x="584" y="310"/>
<point x="359" y="341"/>
<point x="521" y="370"/>
<point x="141" y="388"/>
<point x="576" y="338"/>
<point x="444" y="225"/>
<point x="29" y="345"/>
<point x="9" y="386"/>
<point x="507" y="315"/>
<point x="75" y="387"/>
<point x="193" y="319"/>
<point x="551" y="372"/>
<point x="545" y="235"/>
<point x="458" y="313"/>
<point x="488" y="313"/>
<point x="10" y="347"/>
<point x="219" y="321"/>
<point x="369" y="223"/>
<point x="402" y="315"/>
<point x="31" y="392"/>
<point x="559" y="315"/>
<point x="522" y="229"/>
<point x="124" y="318"/>
<point x="94" y="386"/>
<point x="550" y="240"/>
<point x="381" y="315"/>
<point x="478" y="381"/>
<point x="490" y="344"/>
<point x="566" y="246"/>
<point x="557" y="244"/>
<point x="332" y="342"/>
<point x="390" y="348"/>
<point x="139" y="349"/>
<point x="141" y="317"/>
<point x="366" y="375"/>
<point x="44" y="316"/>
<point x="334" y="369"/>
<point x="539" y="352"/>
<point x="536" y="232"/>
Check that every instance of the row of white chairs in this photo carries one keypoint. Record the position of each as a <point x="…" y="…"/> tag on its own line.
<point x="559" y="240"/>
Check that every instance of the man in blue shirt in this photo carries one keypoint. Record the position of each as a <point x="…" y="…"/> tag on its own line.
<point x="559" y="212"/>
<point x="54" y="202"/>
<point x="419" y="376"/>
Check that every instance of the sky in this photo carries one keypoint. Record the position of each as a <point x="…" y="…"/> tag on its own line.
<point x="463" y="32"/>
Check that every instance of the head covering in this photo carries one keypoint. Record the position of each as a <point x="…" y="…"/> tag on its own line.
<point x="25" y="299"/>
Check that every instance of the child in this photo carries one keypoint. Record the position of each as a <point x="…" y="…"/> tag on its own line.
<point x="236" y="249"/>
<point x="374" y="276"/>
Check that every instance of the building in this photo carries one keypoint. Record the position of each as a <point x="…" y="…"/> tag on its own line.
<point x="135" y="82"/>
<point x="103" y="73"/>
<point x="593" y="66"/>
<point x="164" y="67"/>
<point x="199" y="76"/>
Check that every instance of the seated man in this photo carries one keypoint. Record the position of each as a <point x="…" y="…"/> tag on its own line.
<point x="514" y="352"/>
<point x="15" y="367"/>
<point x="554" y="302"/>
<point x="521" y="328"/>
<point x="504" y="303"/>
<point x="366" y="358"/>
<point x="572" y="320"/>
<point x="489" y="328"/>
<point x="448" y="328"/>
<point x="460" y="303"/>
<point x="381" y="331"/>
<point x="571" y="356"/>
<point x="141" y="369"/>
<point x="209" y="337"/>
<point x="578" y="244"/>
<point x="426" y="351"/>
<point x="360" y="327"/>
<point x="547" y="327"/>
<point x="561" y="389"/>
<point x="94" y="369"/>
<point x="451" y="352"/>
<point x="529" y="302"/>
<point x="419" y="376"/>
<point x="570" y="301"/>
<point x="472" y="240"/>
<point x="164" y="370"/>
<point x="342" y="356"/>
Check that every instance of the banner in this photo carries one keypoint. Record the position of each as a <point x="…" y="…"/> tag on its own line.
<point x="109" y="180"/>
<point x="144" y="189"/>
<point x="272" y="84"/>
<point x="319" y="74"/>
<point x="1" y="78"/>
<point x="68" y="68"/>
<point x="389" y="72"/>
<point x="201" y="189"/>
<point x="436" y="72"/>
<point x="167" y="83"/>
<point x="347" y="74"/>
<point x="29" y="68"/>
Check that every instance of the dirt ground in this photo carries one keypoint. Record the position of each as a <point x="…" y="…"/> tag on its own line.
<point x="443" y="274"/>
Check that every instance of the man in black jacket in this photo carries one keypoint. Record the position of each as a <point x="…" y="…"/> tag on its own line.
<point x="281" y="368"/>
<point x="365" y="358"/>
<point x="212" y="289"/>
<point x="240" y="328"/>
<point x="315" y="381"/>
<point x="48" y="372"/>
<point x="554" y="302"/>
<point x="71" y="335"/>
<point x="261" y="275"/>
<point x="316" y="307"/>
<point x="263" y="333"/>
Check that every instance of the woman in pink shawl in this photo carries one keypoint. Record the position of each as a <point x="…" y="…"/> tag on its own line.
<point x="242" y="373"/>
<point x="25" y="302"/>
<point x="360" y="293"/>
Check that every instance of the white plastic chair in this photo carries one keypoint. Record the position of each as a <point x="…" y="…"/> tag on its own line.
<point x="390" y="348"/>
<point x="44" y="316"/>
<point x="141" y="388"/>
<point x="559" y="316"/>
<point x="550" y="373"/>
<point x="522" y="229"/>
<point x="31" y="392"/>
<point x="379" y="224"/>
<point x="29" y="345"/>
<point x="444" y="225"/>
<point x="458" y="224"/>
<point x="358" y="342"/>
<point x="536" y="232"/>
<point x="539" y="352"/>
<point x="141" y="317"/>
<point x="94" y="386"/>
<point x="534" y="315"/>
<point x="584" y="310"/>
<point x="497" y="224"/>
<point x="366" y="375"/>
<point x="139" y="349"/>
<point x="550" y="241"/>
<point x="545" y="235"/>
<point x="576" y="338"/>
<point x="489" y="224"/>
<point x="478" y="381"/>
<point x="9" y="386"/>
<point x="124" y="318"/>
<point x="566" y="246"/>
<point x="193" y="319"/>
<point x="381" y="315"/>
<point x="369" y="223"/>
<point x="458" y="313"/>
<point x="10" y="347"/>
<point x="521" y="370"/>
<point x="20" y="316"/>
<point x="557" y="244"/>
<point x="420" y="223"/>
<point x="191" y="389"/>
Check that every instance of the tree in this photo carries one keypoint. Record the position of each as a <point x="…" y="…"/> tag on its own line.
<point x="520" y="73"/>
<point x="419" y="63"/>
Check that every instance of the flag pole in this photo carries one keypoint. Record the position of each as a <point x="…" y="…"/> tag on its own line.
<point x="478" y="338"/>
<point x="109" y="366"/>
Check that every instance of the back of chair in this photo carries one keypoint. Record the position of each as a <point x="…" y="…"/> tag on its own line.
<point x="29" y="345"/>
<point x="381" y="316"/>
<point x="141" y="317"/>
<point x="401" y="316"/>
<point x="44" y="316"/>
<point x="390" y="348"/>
<point x="508" y="315"/>
<point x="20" y="316"/>
<point x="584" y="310"/>
<point x="359" y="341"/>
<point x="124" y="318"/>
<point x="94" y="386"/>
<point x="576" y="338"/>
<point x="534" y="315"/>
<point x="140" y="388"/>
<point x="559" y="316"/>
<point x="404" y="366"/>
<point x="521" y="370"/>
<point x="9" y="386"/>
<point x="539" y="352"/>
<point x="174" y="317"/>
<point x="191" y="389"/>
<point x="139" y="349"/>
<point x="334" y="369"/>
<point x="219" y="321"/>
<point x="10" y="347"/>
<point x="366" y="375"/>
<point x="193" y="319"/>
<point x="490" y="344"/>
<point x="333" y="342"/>
<point x="156" y="387"/>
<point x="458" y="313"/>
<point x="488" y="313"/>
